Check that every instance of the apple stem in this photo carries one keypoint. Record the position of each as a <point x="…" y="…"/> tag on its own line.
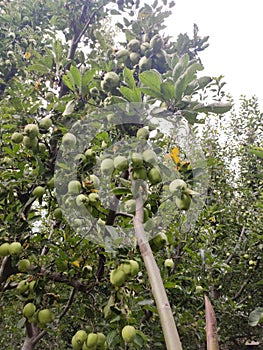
<point x="170" y="332"/>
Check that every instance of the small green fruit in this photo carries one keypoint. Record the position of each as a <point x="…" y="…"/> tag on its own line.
<point x="158" y="242"/>
<point x="142" y="134"/>
<point x="144" y="63"/>
<point x="126" y="268"/>
<point x="128" y="334"/>
<point x="45" y="316"/>
<point x="134" y="58"/>
<point x="17" y="137"/>
<point x="177" y="186"/>
<point x="130" y="205"/>
<point x="199" y="289"/>
<point x="156" y="43"/>
<point x="29" y="310"/>
<point x="93" y="198"/>
<point x="22" y="287"/>
<point x="107" y="166"/>
<point x="145" y="48"/>
<point x="51" y="183"/>
<point x="81" y="199"/>
<point x="81" y="336"/>
<point x="134" y="267"/>
<point x="69" y="140"/>
<point x="92" y="339"/>
<point x="100" y="339"/>
<point x="183" y="202"/>
<point x="139" y="173"/>
<point x="137" y="160"/>
<point x="134" y="45"/>
<point x="45" y="123"/>
<point x="23" y="265"/>
<point x="15" y="248"/>
<point x="4" y="249"/>
<point x="31" y="130"/>
<point x="39" y="191"/>
<point x="117" y="277"/>
<point x="94" y="92"/>
<point x="74" y="187"/>
<point x="57" y="213"/>
<point x="154" y="176"/>
<point x="169" y="263"/>
<point x="122" y="54"/>
<point x="112" y="79"/>
<point x="121" y="163"/>
<point x="150" y="157"/>
<point x="30" y="142"/>
<point x="75" y="344"/>
<point x="95" y="181"/>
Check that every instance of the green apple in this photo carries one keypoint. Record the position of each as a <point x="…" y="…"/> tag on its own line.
<point x="23" y="265"/>
<point x="31" y="130"/>
<point x="74" y="187"/>
<point x="139" y="173"/>
<point x="75" y="344"/>
<point x="107" y="166"/>
<point x="111" y="79"/>
<point x="126" y="268"/>
<point x="128" y="334"/>
<point x="57" y="213"/>
<point x="117" y="277"/>
<point x="51" y="183"/>
<point x="154" y="175"/>
<point x="169" y="263"/>
<point x="95" y="180"/>
<point x="134" y="267"/>
<point x="199" y="289"/>
<point x="137" y="160"/>
<point x="150" y="156"/>
<point x="69" y="140"/>
<point x="29" y="310"/>
<point x="156" y="43"/>
<point x="81" y="336"/>
<point x="92" y="339"/>
<point x="17" y="137"/>
<point x="22" y="287"/>
<point x="100" y="339"/>
<point x="39" y="191"/>
<point x="93" y="198"/>
<point x="134" y="45"/>
<point x="183" y="202"/>
<point x="81" y="199"/>
<point x="177" y="186"/>
<point x="15" y="248"/>
<point x="122" y="54"/>
<point x="144" y="63"/>
<point x="30" y="142"/>
<point x="45" y="123"/>
<point x="121" y="163"/>
<point x="4" y="249"/>
<point x="45" y="316"/>
<point x="142" y="134"/>
<point x="134" y="57"/>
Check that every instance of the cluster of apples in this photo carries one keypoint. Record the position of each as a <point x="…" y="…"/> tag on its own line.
<point x="145" y="54"/>
<point x="82" y="340"/>
<point x="29" y="137"/>
<point x="127" y="270"/>
<point x="39" y="318"/>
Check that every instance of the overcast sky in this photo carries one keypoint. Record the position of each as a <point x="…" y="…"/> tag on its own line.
<point x="236" y="40"/>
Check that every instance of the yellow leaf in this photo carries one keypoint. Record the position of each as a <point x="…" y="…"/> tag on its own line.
<point x="76" y="263"/>
<point x="27" y="55"/>
<point x="175" y="155"/>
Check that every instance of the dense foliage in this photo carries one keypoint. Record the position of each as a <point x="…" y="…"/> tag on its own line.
<point x="64" y="64"/>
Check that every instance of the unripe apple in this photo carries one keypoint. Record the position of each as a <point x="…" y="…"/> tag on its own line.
<point x="4" y="249"/>
<point x="121" y="163"/>
<point x="29" y="310"/>
<point x="169" y="263"/>
<point x="30" y="142"/>
<point x="100" y="339"/>
<point x="150" y="156"/>
<point x="92" y="339"/>
<point x="31" y="130"/>
<point x="128" y="334"/>
<point x="57" y="213"/>
<point x="144" y="63"/>
<point x="130" y="205"/>
<point x="75" y="344"/>
<point x="93" y="198"/>
<point x="23" y="265"/>
<point x="69" y="140"/>
<point x="107" y="166"/>
<point x="139" y="173"/>
<point x="134" y="45"/>
<point x="81" y="336"/>
<point x="81" y="199"/>
<point x="154" y="175"/>
<point x="45" y="316"/>
<point x="142" y="134"/>
<point x="117" y="277"/>
<point x="183" y="202"/>
<point x="137" y="160"/>
<point x="94" y="92"/>
<point x="134" y="57"/>
<point x="51" y="183"/>
<point x="22" y="287"/>
<point x="15" y="248"/>
<point x="17" y="137"/>
<point x="41" y="147"/>
<point x="39" y="191"/>
<point x="199" y="289"/>
<point x="158" y="242"/>
<point x="95" y="180"/>
<point x="134" y="267"/>
<point x="122" y="54"/>
<point x="45" y="123"/>
<point x="177" y="186"/>
<point x="156" y="43"/>
<point x="111" y="79"/>
<point x="74" y="187"/>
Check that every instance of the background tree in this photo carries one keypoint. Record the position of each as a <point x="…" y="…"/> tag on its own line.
<point x="58" y="65"/>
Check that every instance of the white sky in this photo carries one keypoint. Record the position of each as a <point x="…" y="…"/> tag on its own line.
<point x="235" y="28"/>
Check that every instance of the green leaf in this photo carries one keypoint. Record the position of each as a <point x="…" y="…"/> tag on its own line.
<point x="152" y="93"/>
<point x="151" y="79"/>
<point x="128" y="78"/>
<point x="131" y="95"/>
<point x="256" y="317"/>
<point x="168" y="90"/>
<point x="39" y="68"/>
<point x="121" y="191"/>
<point x="258" y="151"/>
<point x="68" y="81"/>
<point x="216" y="107"/>
<point x="76" y="75"/>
